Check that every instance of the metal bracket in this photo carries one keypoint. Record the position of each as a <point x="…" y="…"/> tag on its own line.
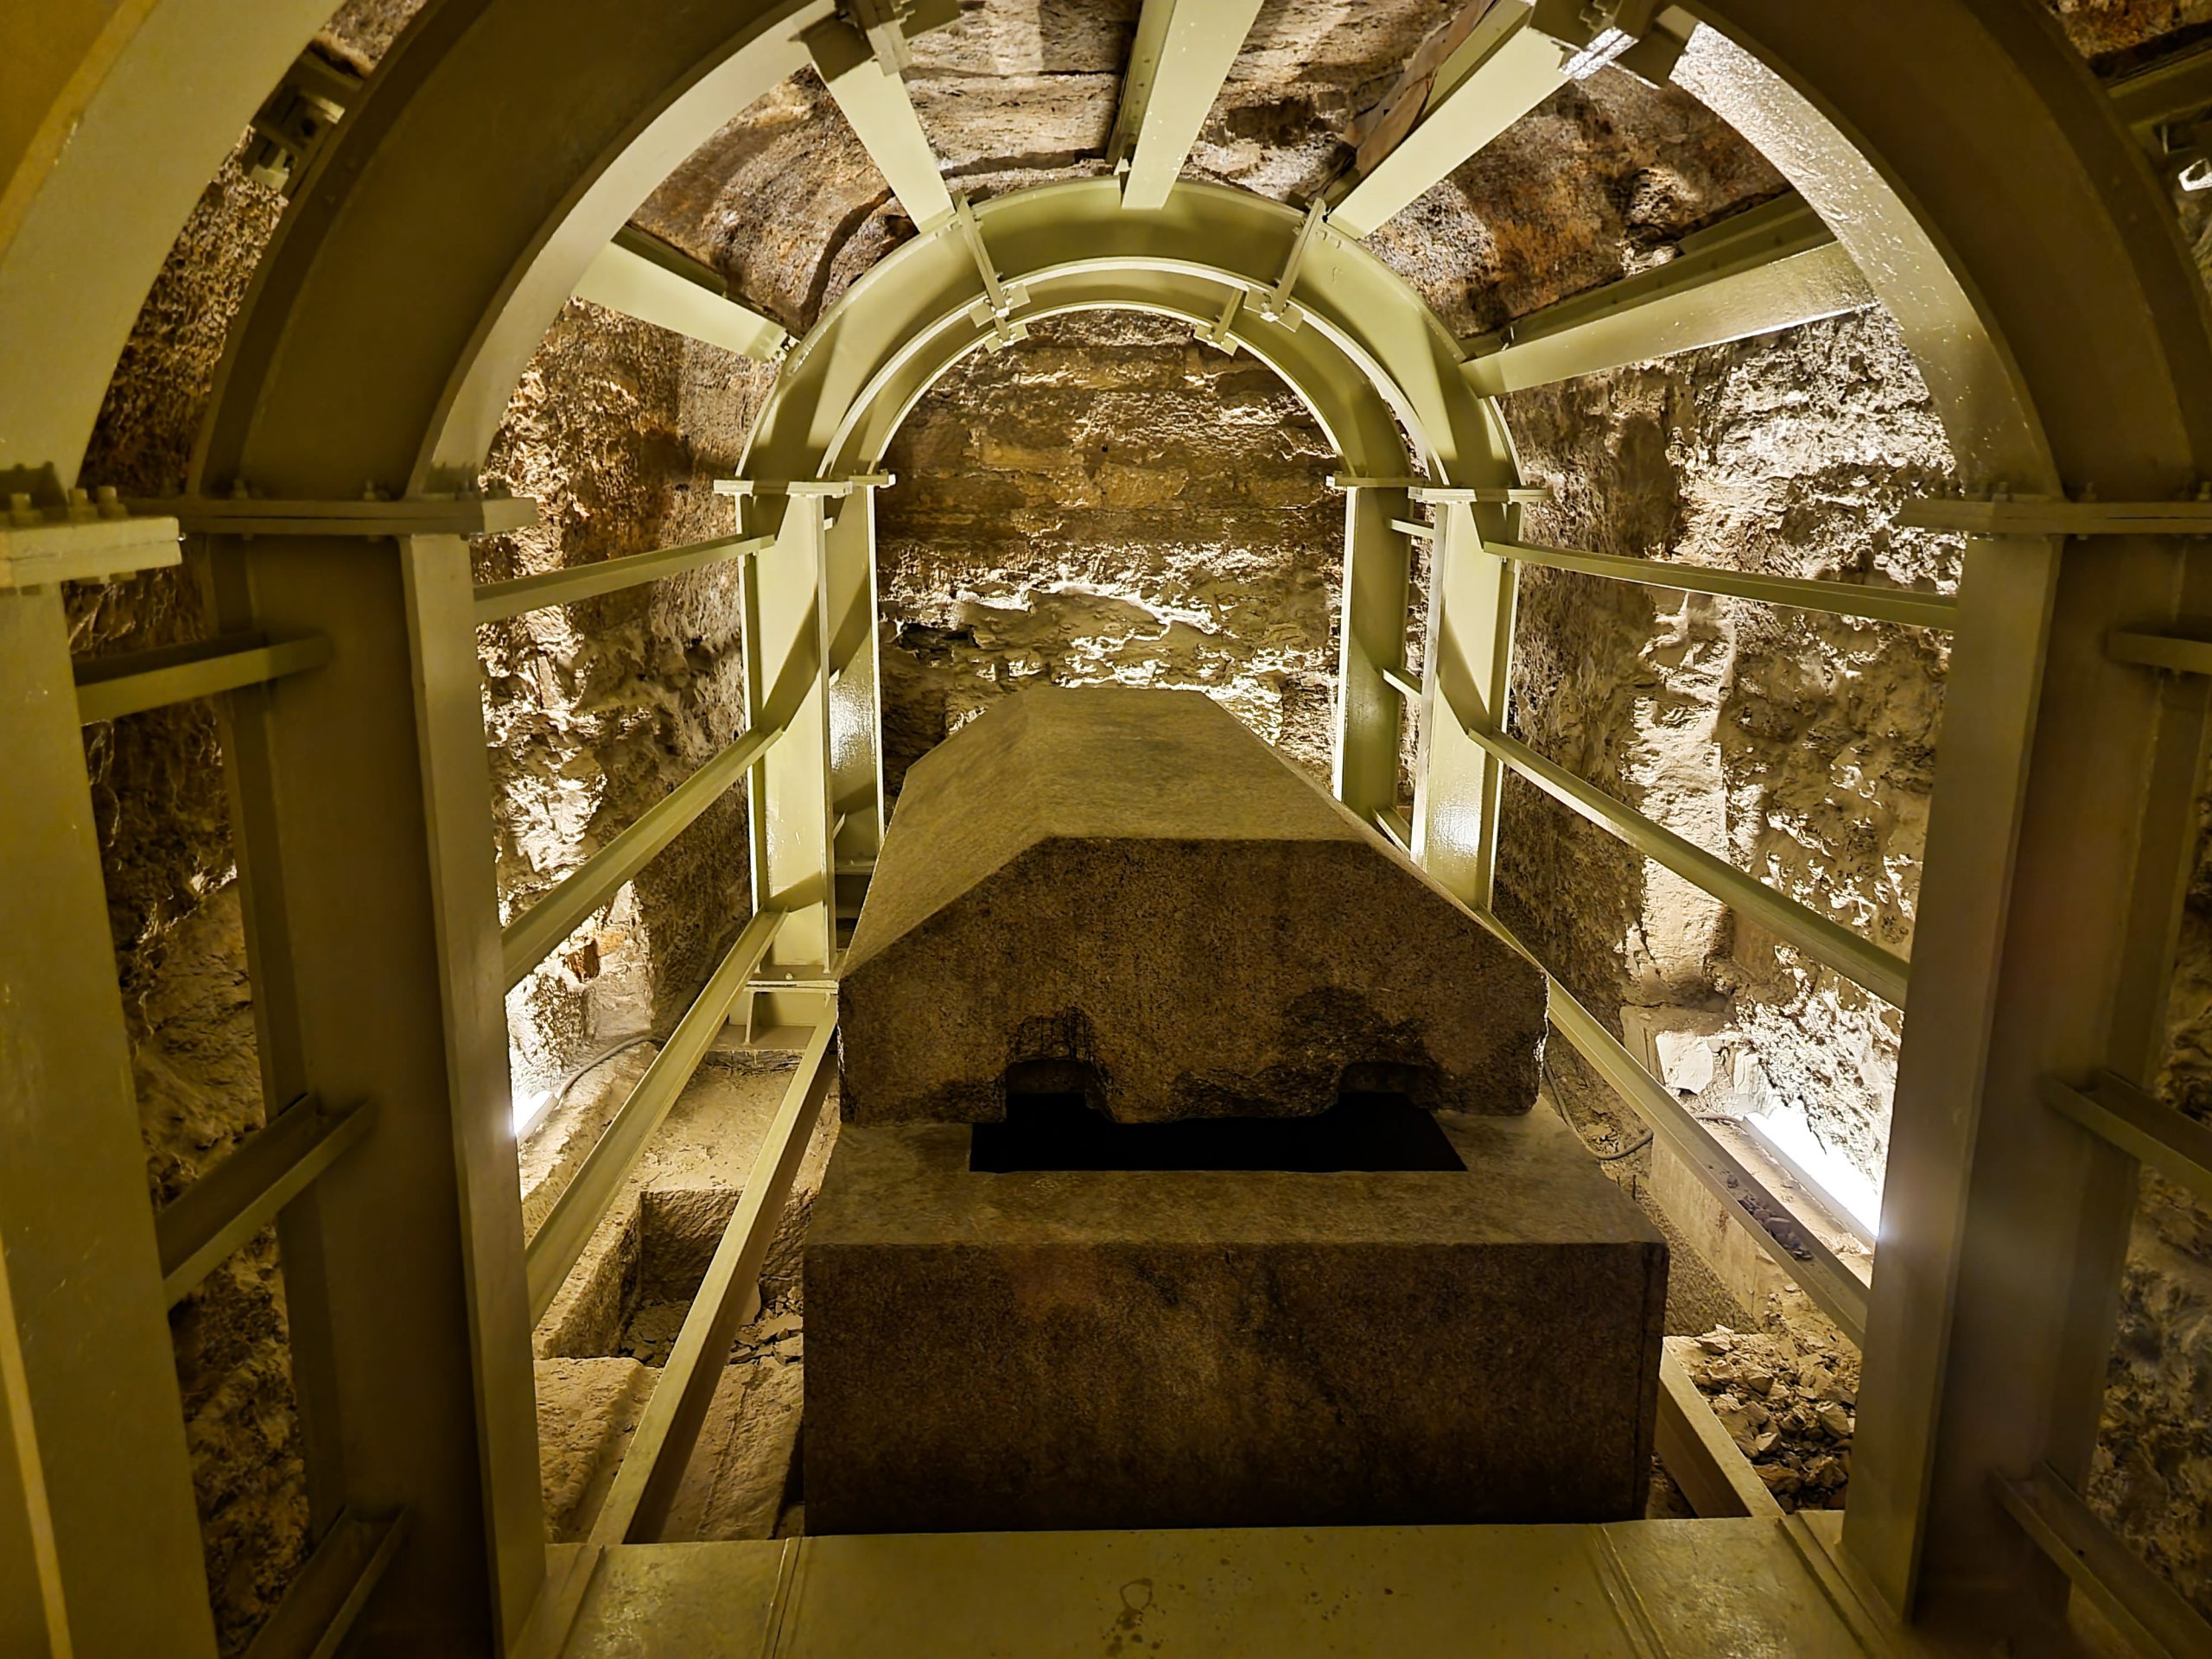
<point x="1594" y="33"/>
<point x="835" y="488"/>
<point x="243" y="513"/>
<point x="890" y="24"/>
<point x="2002" y="514"/>
<point x="1001" y="300"/>
<point x="1274" y="305"/>
<point x="292" y="123"/>
<point x="90" y="538"/>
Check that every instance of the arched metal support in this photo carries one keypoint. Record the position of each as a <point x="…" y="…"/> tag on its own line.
<point x="2004" y="219"/>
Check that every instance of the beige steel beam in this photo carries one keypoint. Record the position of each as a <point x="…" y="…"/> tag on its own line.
<point x="2180" y="653"/>
<point x="531" y="937"/>
<point x="1370" y="645"/>
<point x="1503" y="69"/>
<point x="2178" y="1147"/>
<point x="498" y="599"/>
<point x="1823" y="1276"/>
<point x="1865" y="963"/>
<point x="247" y="1191"/>
<point x="644" y="277"/>
<point x="325" y="1601"/>
<point x="2149" y="1613"/>
<point x="1775" y="267"/>
<point x="856" y="669"/>
<point x="2167" y="89"/>
<point x="100" y="1544"/>
<point x="560" y="1239"/>
<point x="361" y="799"/>
<point x="1899" y="605"/>
<point x="882" y="116"/>
<point x="108" y="687"/>
<point x="1191" y="46"/>
<point x="243" y="514"/>
<point x="652" y="1468"/>
<point x="1466" y="677"/>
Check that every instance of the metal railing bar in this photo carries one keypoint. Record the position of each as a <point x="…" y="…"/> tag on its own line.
<point x="1901" y="605"/>
<point x="653" y="1469"/>
<point x="318" y="1611"/>
<point x="240" y="1196"/>
<point x="1403" y="683"/>
<point x="1420" y="532"/>
<point x="1837" y="1291"/>
<point x="2175" y="652"/>
<point x="2178" y="1147"/>
<point x="530" y="939"/>
<point x="1392" y="823"/>
<point x="1865" y="963"/>
<point x="108" y="687"/>
<point x="554" y="1249"/>
<point x="2141" y="1605"/>
<point x="496" y="601"/>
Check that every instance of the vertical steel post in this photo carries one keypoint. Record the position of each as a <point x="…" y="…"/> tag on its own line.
<point x="787" y="658"/>
<point x="1466" y="677"/>
<point x="100" y="1546"/>
<point x="855" y="710"/>
<point x="1371" y="637"/>
<point x="362" y="795"/>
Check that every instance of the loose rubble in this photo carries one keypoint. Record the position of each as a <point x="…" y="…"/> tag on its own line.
<point x="1791" y="1411"/>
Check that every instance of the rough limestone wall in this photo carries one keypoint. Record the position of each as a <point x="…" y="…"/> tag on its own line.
<point x="1798" y="748"/>
<point x="595" y="710"/>
<point x="1109" y="501"/>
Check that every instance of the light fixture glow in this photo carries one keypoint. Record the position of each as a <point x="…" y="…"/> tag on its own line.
<point x="1834" y="1179"/>
<point x="529" y="1114"/>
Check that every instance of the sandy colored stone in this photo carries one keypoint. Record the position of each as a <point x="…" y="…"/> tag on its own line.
<point x="1130" y="882"/>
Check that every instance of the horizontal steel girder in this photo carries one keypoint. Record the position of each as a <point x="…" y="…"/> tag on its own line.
<point x="1500" y="72"/>
<point x="1775" y="267"/>
<point x="1196" y="43"/>
<point x="639" y="279"/>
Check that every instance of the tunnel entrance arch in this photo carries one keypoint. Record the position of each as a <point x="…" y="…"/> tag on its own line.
<point x="1993" y="204"/>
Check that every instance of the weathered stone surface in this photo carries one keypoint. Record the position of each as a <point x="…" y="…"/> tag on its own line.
<point x="1085" y="1349"/>
<point x="1129" y="881"/>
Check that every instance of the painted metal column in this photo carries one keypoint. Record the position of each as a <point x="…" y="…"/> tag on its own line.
<point x="855" y="689"/>
<point x="362" y="796"/>
<point x="787" y="661"/>
<point x="100" y="1544"/>
<point x="1466" y="677"/>
<point x="1371" y="639"/>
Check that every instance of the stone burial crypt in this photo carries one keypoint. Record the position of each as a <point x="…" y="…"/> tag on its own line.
<point x="1094" y="829"/>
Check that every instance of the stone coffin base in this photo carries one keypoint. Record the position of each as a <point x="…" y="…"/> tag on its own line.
<point x="1103" y="1349"/>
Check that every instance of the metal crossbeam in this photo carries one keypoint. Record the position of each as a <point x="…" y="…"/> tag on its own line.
<point x="1137" y="80"/>
<point x="882" y="118"/>
<point x="554" y="1249"/>
<point x="2178" y="1147"/>
<point x="2180" y="653"/>
<point x="1501" y="70"/>
<point x="1863" y="963"/>
<point x="320" y="1609"/>
<point x="2167" y="89"/>
<point x="83" y="543"/>
<point x="528" y="939"/>
<point x="460" y="515"/>
<point x="1165" y="102"/>
<point x="653" y="1467"/>
<point x="1837" y="1291"/>
<point x="497" y="599"/>
<point x="1775" y="267"/>
<point x="1797" y="592"/>
<point x="240" y="1196"/>
<point x="644" y="277"/>
<point x="2029" y="515"/>
<point x="109" y="687"/>
<point x="2141" y="1605"/>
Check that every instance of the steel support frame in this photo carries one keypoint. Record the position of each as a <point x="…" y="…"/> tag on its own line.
<point x="1166" y="100"/>
<point x="2091" y="363"/>
<point x="100" y="1542"/>
<point x="361" y="799"/>
<point x="1467" y="681"/>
